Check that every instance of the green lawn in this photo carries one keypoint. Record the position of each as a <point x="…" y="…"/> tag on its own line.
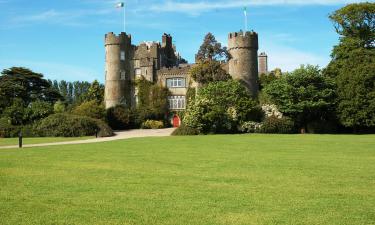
<point x="234" y="179"/>
<point x="14" y="141"/>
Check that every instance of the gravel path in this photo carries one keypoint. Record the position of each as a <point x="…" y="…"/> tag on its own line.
<point x="118" y="136"/>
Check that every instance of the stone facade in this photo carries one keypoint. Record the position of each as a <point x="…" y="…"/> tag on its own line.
<point x="243" y="65"/>
<point x="159" y="63"/>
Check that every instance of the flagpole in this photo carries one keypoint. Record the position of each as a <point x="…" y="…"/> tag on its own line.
<point x="124" y="20"/>
<point x="245" y="12"/>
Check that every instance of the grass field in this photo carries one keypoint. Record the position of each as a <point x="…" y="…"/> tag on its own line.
<point x="14" y="141"/>
<point x="234" y="179"/>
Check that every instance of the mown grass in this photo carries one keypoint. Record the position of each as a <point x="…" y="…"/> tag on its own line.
<point x="39" y="140"/>
<point x="233" y="179"/>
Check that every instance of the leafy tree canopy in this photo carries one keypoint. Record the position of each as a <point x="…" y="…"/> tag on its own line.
<point x="95" y="92"/>
<point x="353" y="65"/>
<point x="356" y="24"/>
<point x="205" y="72"/>
<point x="220" y="107"/>
<point x="356" y="90"/>
<point x="22" y="83"/>
<point x="304" y="95"/>
<point x="211" y="49"/>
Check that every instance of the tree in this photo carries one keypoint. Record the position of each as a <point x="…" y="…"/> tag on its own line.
<point x="211" y="49"/>
<point x="356" y="24"/>
<point x="356" y="90"/>
<point x="22" y="83"/>
<point x="265" y="79"/>
<point x="16" y="112"/>
<point x="205" y="72"/>
<point x="352" y="65"/>
<point x="38" y="110"/>
<point x="221" y="107"/>
<point x="305" y="95"/>
<point x="95" y="92"/>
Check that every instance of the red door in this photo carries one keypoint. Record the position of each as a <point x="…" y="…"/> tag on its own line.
<point x="176" y="121"/>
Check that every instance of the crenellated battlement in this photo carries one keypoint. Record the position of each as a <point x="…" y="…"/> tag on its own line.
<point x="243" y="40"/>
<point x="113" y="39"/>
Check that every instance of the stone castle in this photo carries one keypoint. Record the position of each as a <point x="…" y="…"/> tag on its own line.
<point x="160" y="63"/>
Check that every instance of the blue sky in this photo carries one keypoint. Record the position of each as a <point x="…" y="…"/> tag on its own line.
<point x="63" y="39"/>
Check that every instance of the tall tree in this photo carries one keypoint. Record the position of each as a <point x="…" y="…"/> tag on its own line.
<point x="22" y="83"/>
<point x="208" y="68"/>
<point x="95" y="92"/>
<point x="211" y="49"/>
<point x="353" y="63"/>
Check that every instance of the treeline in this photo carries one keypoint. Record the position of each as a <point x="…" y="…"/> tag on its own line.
<point x="40" y="107"/>
<point x="74" y="93"/>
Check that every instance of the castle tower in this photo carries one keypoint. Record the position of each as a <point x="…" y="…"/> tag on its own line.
<point x="117" y="69"/>
<point x="263" y="63"/>
<point x="243" y="65"/>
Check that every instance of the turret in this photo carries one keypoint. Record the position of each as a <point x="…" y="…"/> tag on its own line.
<point x="117" y="69"/>
<point x="263" y="63"/>
<point x="243" y="65"/>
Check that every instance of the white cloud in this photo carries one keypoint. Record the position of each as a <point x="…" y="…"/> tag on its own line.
<point x="198" y="7"/>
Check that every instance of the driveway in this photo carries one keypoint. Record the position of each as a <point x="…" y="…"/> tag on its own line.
<point x="119" y="135"/>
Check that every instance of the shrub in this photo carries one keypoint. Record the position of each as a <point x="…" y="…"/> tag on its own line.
<point x="59" y="107"/>
<point x="274" y="125"/>
<point x="152" y="124"/>
<point x="66" y="125"/>
<point x="119" y="118"/>
<point x="221" y="107"/>
<point x="8" y="130"/>
<point x="250" y="127"/>
<point x="90" y="109"/>
<point x="184" y="130"/>
<point x="38" y="110"/>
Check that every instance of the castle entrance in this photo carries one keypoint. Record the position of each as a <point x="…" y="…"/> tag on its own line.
<point x="176" y="121"/>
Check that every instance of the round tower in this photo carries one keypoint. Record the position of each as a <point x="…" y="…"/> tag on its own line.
<point x="243" y="64"/>
<point x="117" y="69"/>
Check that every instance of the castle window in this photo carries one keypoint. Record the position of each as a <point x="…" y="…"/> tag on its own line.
<point x="137" y="64"/>
<point x="122" y="55"/>
<point x="138" y="72"/>
<point x="176" y="102"/>
<point x="176" y="82"/>
<point x="123" y="75"/>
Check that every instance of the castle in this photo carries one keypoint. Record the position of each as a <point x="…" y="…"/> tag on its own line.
<point x="160" y="63"/>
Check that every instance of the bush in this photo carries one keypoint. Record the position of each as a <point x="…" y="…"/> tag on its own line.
<point x="66" y="125"/>
<point x="250" y="127"/>
<point x="184" y="130"/>
<point x="59" y="107"/>
<point x="90" y="109"/>
<point x="221" y="107"/>
<point x="152" y="124"/>
<point x="8" y="130"/>
<point x="120" y="118"/>
<point x="274" y="125"/>
<point x="38" y="110"/>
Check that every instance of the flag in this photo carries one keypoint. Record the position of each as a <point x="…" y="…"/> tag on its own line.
<point x="245" y="10"/>
<point x="120" y="5"/>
